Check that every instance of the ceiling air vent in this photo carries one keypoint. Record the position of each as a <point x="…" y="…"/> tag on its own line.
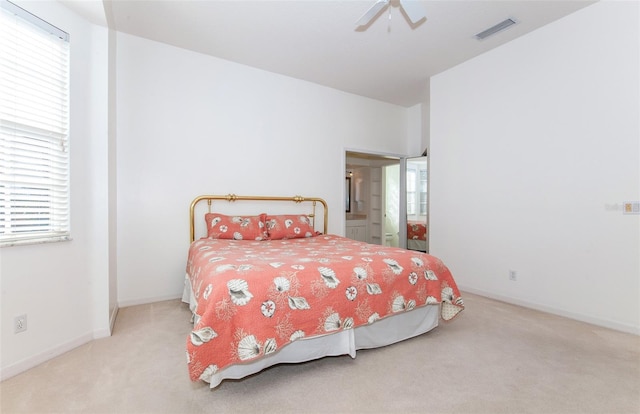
<point x="495" y="29"/>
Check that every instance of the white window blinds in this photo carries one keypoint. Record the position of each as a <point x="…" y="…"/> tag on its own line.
<point x="34" y="128"/>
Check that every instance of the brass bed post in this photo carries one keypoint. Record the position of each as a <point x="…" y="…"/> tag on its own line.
<point x="314" y="215"/>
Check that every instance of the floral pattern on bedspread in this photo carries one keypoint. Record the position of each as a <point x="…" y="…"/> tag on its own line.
<point x="416" y="230"/>
<point x="255" y="297"/>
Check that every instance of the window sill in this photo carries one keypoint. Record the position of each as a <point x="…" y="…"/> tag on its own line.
<point x="43" y="240"/>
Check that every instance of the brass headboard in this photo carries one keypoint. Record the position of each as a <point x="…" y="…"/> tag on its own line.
<point x="232" y="197"/>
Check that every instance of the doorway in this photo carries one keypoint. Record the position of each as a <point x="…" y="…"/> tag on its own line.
<point x="373" y="213"/>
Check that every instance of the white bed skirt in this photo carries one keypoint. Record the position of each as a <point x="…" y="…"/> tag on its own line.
<point x="420" y="245"/>
<point x="381" y="333"/>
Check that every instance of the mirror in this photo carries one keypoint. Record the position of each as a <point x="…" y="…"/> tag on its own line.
<point x="347" y="194"/>
<point x="417" y="205"/>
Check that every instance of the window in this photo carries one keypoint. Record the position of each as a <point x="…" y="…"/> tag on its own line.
<point x="34" y="129"/>
<point x="423" y="192"/>
<point x="416" y="191"/>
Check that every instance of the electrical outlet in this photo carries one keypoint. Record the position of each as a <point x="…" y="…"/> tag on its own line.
<point x="513" y="275"/>
<point x="20" y="324"/>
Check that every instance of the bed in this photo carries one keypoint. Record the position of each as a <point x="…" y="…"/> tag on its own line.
<point x="269" y="288"/>
<point x="417" y="235"/>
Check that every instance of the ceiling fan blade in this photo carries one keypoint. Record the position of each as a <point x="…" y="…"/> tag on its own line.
<point x="414" y="10"/>
<point x="372" y="12"/>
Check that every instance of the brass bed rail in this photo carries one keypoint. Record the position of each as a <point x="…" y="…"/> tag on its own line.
<point x="232" y="197"/>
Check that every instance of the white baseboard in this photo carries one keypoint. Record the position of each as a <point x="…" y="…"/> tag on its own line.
<point x="104" y="333"/>
<point x="144" y="301"/>
<point x="28" y="363"/>
<point x="101" y="333"/>
<point x="605" y="323"/>
<point x="112" y="319"/>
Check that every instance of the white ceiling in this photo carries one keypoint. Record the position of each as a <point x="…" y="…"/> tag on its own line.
<point x="317" y="40"/>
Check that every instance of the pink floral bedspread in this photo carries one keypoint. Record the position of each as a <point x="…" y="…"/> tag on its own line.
<point x="255" y="297"/>
<point x="416" y="230"/>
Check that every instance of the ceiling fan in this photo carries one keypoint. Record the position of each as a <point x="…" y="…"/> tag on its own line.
<point x="414" y="11"/>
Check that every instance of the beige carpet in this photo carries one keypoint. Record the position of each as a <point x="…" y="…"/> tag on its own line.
<point x="494" y="358"/>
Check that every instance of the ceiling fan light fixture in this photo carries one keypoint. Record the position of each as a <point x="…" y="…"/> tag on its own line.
<point x="372" y="12"/>
<point x="495" y="29"/>
<point x="413" y="10"/>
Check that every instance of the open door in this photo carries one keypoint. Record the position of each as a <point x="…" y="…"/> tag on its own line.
<point x="417" y="204"/>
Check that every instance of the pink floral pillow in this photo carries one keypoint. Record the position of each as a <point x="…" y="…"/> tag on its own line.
<point x="289" y="226"/>
<point x="220" y="226"/>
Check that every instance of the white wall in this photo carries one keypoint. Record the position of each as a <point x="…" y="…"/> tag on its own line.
<point x="535" y="145"/>
<point x="64" y="287"/>
<point x="190" y="124"/>
<point x="418" y="129"/>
